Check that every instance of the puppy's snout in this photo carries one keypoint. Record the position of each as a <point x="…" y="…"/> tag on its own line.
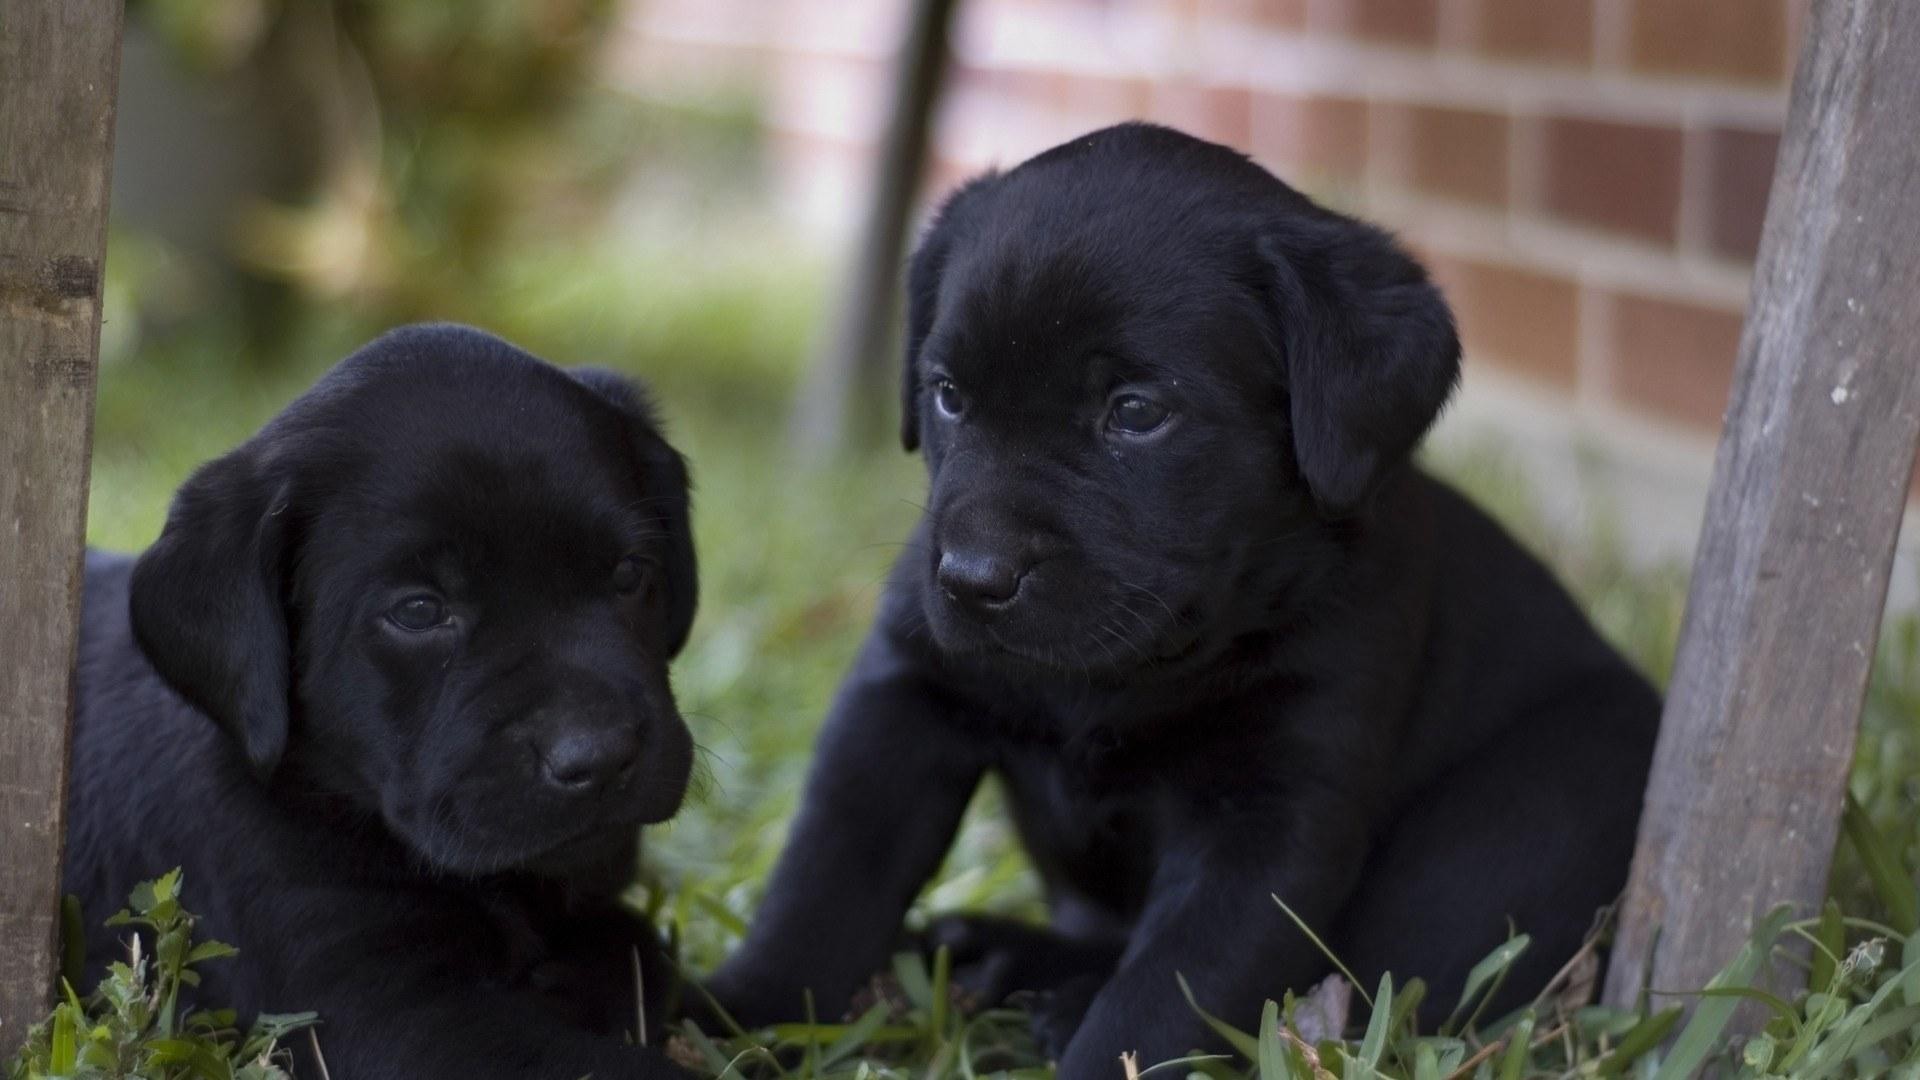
<point x="979" y="580"/>
<point x="578" y="760"/>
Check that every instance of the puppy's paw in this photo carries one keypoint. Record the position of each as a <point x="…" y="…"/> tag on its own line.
<point x="995" y="957"/>
<point x="987" y="952"/>
<point x="1057" y="1013"/>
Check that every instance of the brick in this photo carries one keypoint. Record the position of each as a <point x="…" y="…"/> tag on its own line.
<point x="1409" y="23"/>
<point x="1739" y="168"/>
<point x="1310" y="136"/>
<point x="1457" y="154"/>
<point x="1738" y="40"/>
<point x="1275" y="14"/>
<point x="1098" y="100"/>
<point x="1556" y="32"/>
<point x="1623" y="177"/>
<point x="1518" y="320"/>
<point x="1219" y="113"/>
<point x="1674" y="359"/>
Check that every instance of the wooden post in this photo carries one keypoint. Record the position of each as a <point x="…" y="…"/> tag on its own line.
<point x="857" y="367"/>
<point x="59" y="68"/>
<point x="1808" y="488"/>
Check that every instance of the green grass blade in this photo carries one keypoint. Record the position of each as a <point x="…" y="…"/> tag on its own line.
<point x="1426" y="1062"/>
<point x="1636" y="1043"/>
<point x="1891" y="884"/>
<point x="1775" y="1003"/>
<point x="1829" y="946"/>
<point x="1245" y="1044"/>
<point x="856" y="1035"/>
<point x="1910" y="978"/>
<point x="1194" y="1060"/>
<point x="911" y="970"/>
<point x="1513" y="1063"/>
<point x="1374" y="1043"/>
<point x="1274" y="1059"/>
<point x="1710" y="1018"/>
<point x="1322" y="946"/>
<point x="940" y="993"/>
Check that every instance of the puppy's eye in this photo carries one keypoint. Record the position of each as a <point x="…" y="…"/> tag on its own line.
<point x="632" y="574"/>
<point x="418" y="613"/>
<point x="1136" y="415"/>
<point x="946" y="396"/>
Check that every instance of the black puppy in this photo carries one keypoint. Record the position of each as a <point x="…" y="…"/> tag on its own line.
<point x="392" y="687"/>
<point x="1178" y="585"/>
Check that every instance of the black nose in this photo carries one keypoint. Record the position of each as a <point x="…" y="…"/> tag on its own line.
<point x="585" y="759"/>
<point x="979" y="581"/>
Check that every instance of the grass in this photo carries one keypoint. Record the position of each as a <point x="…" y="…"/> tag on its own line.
<point x="792" y="564"/>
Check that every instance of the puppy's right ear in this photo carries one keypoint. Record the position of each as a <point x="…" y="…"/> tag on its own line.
<point x="924" y="272"/>
<point x="208" y="602"/>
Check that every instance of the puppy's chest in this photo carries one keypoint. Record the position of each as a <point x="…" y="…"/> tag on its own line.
<point x="1093" y="816"/>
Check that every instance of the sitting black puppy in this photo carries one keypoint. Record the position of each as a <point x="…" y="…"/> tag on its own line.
<point x="1178" y="585"/>
<point x="392" y="688"/>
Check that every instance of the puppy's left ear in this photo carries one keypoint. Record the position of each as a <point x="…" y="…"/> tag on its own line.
<point x="666" y="475"/>
<point x="208" y="600"/>
<point x="1371" y="352"/>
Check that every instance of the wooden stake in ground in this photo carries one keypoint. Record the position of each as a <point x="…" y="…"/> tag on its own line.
<point x="59" y="68"/>
<point x="1808" y="488"/>
<point x="855" y="374"/>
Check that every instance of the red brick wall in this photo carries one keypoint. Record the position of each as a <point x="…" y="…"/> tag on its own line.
<point x="1587" y="178"/>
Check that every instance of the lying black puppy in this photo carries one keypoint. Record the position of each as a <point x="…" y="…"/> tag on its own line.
<point x="392" y="687"/>
<point x="1178" y="585"/>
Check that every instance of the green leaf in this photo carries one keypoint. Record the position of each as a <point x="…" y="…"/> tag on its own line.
<point x="211" y="950"/>
<point x="1492" y="969"/>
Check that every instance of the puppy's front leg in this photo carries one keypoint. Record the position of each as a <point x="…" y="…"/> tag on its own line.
<point x="1210" y="917"/>
<point x="883" y="798"/>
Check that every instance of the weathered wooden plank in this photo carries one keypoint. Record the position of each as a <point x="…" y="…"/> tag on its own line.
<point x="1803" y="510"/>
<point x="59" y="68"/>
<point x="854" y="374"/>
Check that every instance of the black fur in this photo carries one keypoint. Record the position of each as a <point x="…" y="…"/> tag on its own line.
<point x="1250" y="653"/>
<point x="420" y="833"/>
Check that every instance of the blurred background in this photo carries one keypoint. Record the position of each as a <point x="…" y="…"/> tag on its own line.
<point x="676" y="188"/>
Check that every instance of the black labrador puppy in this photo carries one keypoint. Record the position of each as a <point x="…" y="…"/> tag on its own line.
<point x="1180" y="588"/>
<point x="392" y="688"/>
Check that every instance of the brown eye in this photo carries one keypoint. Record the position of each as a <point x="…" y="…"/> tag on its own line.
<point x="631" y="574"/>
<point x="418" y="613"/>
<point x="1136" y="415"/>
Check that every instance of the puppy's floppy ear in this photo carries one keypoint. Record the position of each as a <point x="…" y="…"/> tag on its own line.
<point x="924" y="272"/>
<point x="208" y="601"/>
<point x="1370" y="350"/>
<point x="667" y="477"/>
